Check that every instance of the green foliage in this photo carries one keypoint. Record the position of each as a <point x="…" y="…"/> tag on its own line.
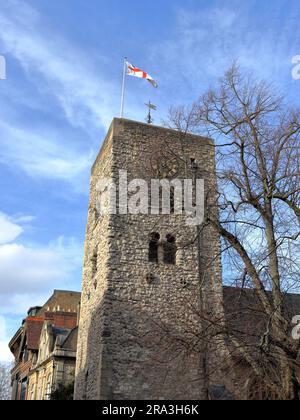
<point x="63" y="392"/>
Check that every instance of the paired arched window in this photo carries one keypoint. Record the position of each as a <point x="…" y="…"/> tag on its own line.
<point x="168" y="247"/>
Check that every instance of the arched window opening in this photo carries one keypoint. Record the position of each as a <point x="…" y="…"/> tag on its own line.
<point x="194" y="163"/>
<point x="153" y="247"/>
<point x="170" y="250"/>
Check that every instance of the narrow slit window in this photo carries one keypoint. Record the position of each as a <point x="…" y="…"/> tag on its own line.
<point x="94" y="261"/>
<point x="172" y="200"/>
<point x="170" y="250"/>
<point x="153" y="247"/>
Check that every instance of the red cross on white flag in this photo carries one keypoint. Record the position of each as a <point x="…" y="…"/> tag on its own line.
<point x="131" y="70"/>
<point x="136" y="72"/>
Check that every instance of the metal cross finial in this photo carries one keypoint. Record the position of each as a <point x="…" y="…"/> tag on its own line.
<point x="150" y="106"/>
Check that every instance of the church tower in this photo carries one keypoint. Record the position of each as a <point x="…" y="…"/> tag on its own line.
<point x="149" y="278"/>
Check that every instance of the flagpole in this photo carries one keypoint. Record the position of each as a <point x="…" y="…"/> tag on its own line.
<point x="123" y="89"/>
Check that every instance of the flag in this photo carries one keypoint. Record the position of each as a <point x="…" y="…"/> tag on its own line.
<point x="136" y="72"/>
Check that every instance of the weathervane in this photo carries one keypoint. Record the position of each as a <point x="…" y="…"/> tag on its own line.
<point x="152" y="107"/>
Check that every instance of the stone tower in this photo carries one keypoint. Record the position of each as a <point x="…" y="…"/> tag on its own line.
<point x="140" y="327"/>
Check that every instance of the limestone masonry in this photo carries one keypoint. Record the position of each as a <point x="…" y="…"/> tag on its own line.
<point x="141" y="306"/>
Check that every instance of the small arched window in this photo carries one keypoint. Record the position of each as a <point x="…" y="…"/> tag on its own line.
<point x="170" y="250"/>
<point x="153" y="247"/>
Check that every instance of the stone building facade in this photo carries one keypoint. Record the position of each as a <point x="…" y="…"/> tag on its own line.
<point x="141" y="310"/>
<point x="56" y="360"/>
<point x="60" y="313"/>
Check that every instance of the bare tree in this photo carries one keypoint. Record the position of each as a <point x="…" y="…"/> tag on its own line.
<point x="5" y="388"/>
<point x="258" y="212"/>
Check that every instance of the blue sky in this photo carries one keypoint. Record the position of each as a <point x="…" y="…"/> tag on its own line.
<point x="64" y="70"/>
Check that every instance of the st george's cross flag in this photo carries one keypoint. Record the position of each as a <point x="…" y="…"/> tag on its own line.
<point x="136" y="72"/>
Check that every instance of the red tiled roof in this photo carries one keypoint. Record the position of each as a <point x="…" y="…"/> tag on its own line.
<point x="34" y="327"/>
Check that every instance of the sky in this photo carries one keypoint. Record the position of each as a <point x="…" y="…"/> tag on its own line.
<point x="63" y="88"/>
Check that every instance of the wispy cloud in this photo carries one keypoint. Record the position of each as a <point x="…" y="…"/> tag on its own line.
<point x="206" y="41"/>
<point x="43" y="156"/>
<point x="69" y="74"/>
<point x="9" y="230"/>
<point x="68" y="78"/>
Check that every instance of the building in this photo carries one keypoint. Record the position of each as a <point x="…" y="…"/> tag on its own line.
<point x="58" y="318"/>
<point x="24" y="346"/>
<point x="140" y="325"/>
<point x="247" y="321"/>
<point x="56" y="361"/>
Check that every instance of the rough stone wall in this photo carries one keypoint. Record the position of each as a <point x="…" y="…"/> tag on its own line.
<point x="140" y="339"/>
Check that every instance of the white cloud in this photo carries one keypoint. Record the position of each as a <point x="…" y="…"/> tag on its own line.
<point x="23" y="219"/>
<point x="29" y="273"/>
<point x="17" y="304"/>
<point x="9" y="230"/>
<point x="5" y="354"/>
<point x="26" y="269"/>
